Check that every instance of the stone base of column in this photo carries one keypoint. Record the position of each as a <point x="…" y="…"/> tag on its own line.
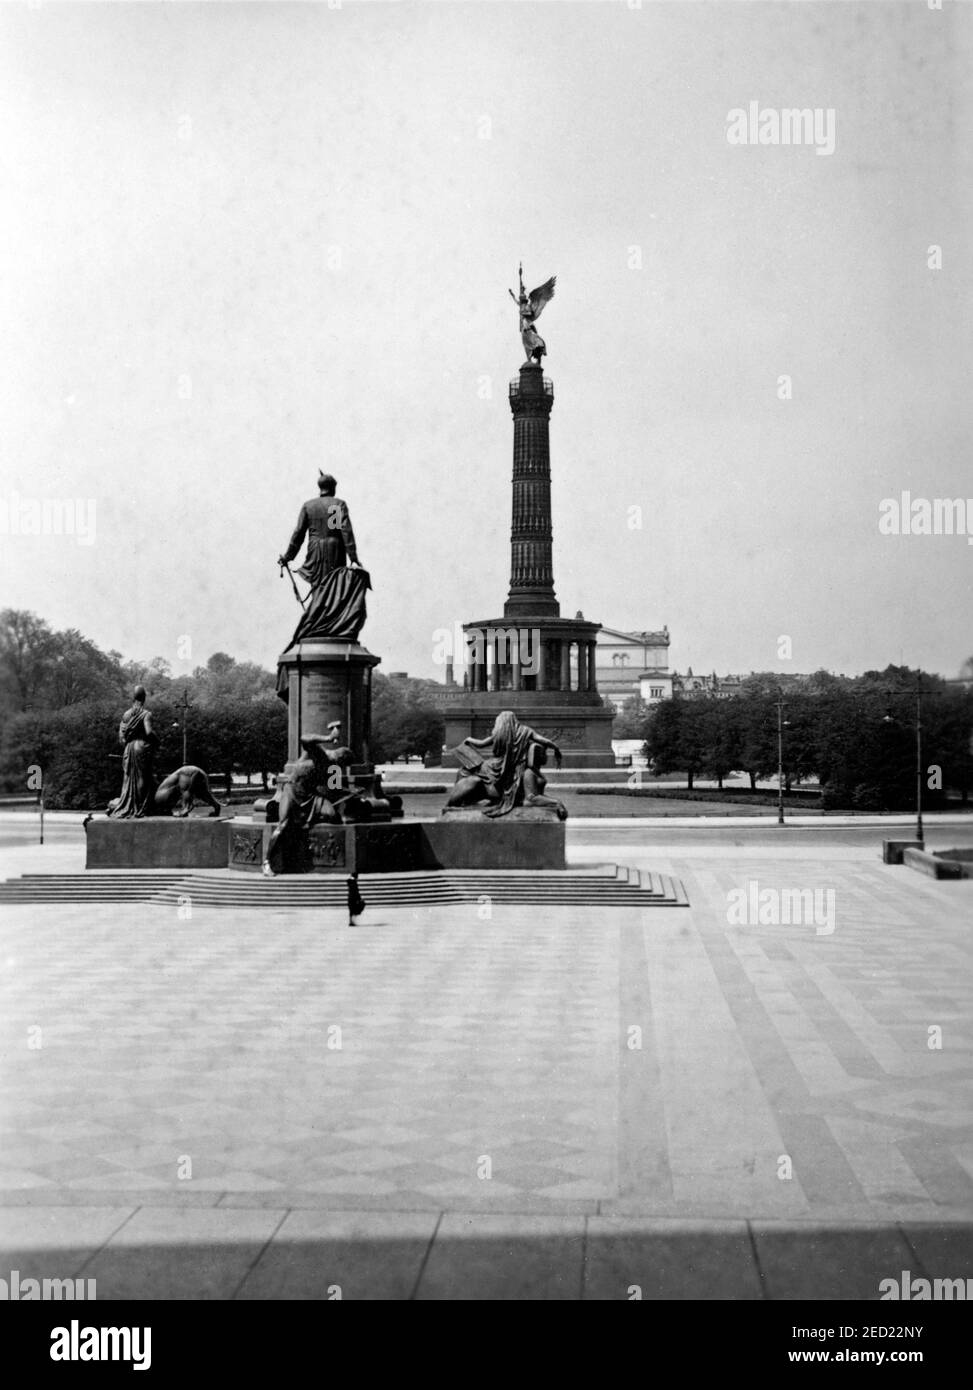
<point x="576" y="719"/>
<point x="579" y="725"/>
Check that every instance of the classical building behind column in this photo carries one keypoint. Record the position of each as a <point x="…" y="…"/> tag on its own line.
<point x="627" y="662"/>
<point x="531" y="660"/>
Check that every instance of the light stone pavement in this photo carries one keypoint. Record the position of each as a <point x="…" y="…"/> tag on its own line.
<point x="443" y="1104"/>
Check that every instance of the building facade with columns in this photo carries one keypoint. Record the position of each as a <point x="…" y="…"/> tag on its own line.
<point x="633" y="665"/>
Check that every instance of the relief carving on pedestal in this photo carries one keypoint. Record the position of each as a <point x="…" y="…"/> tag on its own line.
<point x="574" y="737"/>
<point x="246" y="846"/>
<point x="328" y="852"/>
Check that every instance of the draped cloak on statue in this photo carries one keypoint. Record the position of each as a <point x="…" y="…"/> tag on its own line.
<point x="505" y="769"/>
<point x="336" y="612"/>
<point x="138" y="784"/>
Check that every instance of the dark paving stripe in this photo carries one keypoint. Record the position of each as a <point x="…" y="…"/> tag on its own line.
<point x="643" y="1149"/>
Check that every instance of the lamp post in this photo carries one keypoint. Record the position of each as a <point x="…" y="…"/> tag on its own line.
<point x="890" y="719"/>
<point x="782" y="724"/>
<point x="28" y="708"/>
<point x="184" y="705"/>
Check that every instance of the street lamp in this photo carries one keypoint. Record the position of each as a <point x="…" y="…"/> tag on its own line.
<point x="782" y="724"/>
<point x="889" y="718"/>
<point x="28" y="707"/>
<point x="184" y="705"/>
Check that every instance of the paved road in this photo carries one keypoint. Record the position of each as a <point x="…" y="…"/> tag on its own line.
<point x="941" y="833"/>
<point x="823" y="834"/>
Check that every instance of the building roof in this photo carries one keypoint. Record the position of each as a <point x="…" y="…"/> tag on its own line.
<point x="655" y="639"/>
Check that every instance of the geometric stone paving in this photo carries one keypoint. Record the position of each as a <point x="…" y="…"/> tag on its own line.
<point x="471" y="1047"/>
<point x="396" y="1062"/>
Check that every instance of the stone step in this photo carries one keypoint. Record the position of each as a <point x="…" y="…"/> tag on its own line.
<point x="625" y="888"/>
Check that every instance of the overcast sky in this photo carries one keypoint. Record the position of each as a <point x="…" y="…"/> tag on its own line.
<point x="243" y="242"/>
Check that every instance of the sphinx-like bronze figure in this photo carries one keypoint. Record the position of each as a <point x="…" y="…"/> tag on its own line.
<point x="180" y="791"/>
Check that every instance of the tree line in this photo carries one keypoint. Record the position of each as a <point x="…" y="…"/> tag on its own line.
<point x="61" y="699"/>
<point x="855" y="736"/>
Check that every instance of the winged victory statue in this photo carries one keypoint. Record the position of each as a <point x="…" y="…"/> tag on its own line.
<point x="530" y="307"/>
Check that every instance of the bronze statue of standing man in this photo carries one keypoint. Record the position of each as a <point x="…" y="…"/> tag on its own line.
<point x="335" y="608"/>
<point x="324" y="520"/>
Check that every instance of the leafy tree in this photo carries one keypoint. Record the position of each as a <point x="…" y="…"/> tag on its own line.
<point x="73" y="748"/>
<point x="155" y="675"/>
<point x="406" y="721"/>
<point x="223" y="679"/>
<point x="263" y="737"/>
<point x="632" y="719"/>
<point x="26" y="651"/>
<point x="676" y="738"/>
<point x="80" y="671"/>
<point x="718" y="735"/>
<point x="756" y="721"/>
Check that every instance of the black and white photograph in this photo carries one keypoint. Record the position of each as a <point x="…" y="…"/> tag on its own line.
<point x="486" y="666"/>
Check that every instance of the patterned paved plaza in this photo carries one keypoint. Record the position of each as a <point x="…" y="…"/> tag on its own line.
<point x="484" y="1102"/>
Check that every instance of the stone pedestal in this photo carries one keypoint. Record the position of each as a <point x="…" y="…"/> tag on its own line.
<point x="542" y="668"/>
<point x="157" y="842"/>
<point x="327" y="681"/>
<point x="324" y="682"/>
<point x="527" y="838"/>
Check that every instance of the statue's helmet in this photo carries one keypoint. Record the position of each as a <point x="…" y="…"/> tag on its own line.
<point x="326" y="483"/>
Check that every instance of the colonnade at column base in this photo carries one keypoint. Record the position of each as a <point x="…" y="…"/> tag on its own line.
<point x="581" y="729"/>
<point x="541" y="667"/>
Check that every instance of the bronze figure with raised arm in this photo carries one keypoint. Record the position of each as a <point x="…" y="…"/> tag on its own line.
<point x="530" y="307"/>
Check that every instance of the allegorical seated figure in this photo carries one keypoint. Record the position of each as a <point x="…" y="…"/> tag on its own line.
<point x="185" y="786"/>
<point x="311" y="792"/>
<point x="135" y="734"/>
<point x="509" y="774"/>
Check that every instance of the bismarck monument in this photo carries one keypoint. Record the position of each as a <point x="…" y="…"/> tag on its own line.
<point x="532" y="660"/>
<point x="324" y="674"/>
<point x="328" y="813"/>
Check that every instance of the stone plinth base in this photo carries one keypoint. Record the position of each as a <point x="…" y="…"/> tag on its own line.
<point x="157" y="843"/>
<point x="892" y="850"/>
<point x="324" y="683"/>
<point x="528" y="838"/>
<point x="518" y="814"/>
<point x="932" y="865"/>
<point x="462" y="842"/>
